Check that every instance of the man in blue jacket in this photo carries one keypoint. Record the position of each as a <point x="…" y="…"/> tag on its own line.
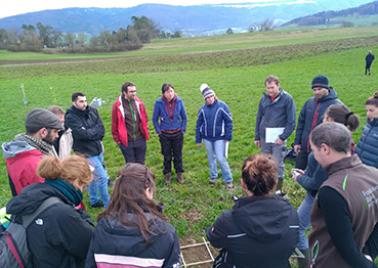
<point x="275" y="121"/>
<point x="169" y="120"/>
<point x="312" y="115"/>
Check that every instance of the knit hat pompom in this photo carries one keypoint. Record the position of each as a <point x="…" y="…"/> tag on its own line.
<point x="206" y="91"/>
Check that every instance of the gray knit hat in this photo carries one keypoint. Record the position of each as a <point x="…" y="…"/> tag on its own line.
<point x="41" y="118"/>
<point x="206" y="91"/>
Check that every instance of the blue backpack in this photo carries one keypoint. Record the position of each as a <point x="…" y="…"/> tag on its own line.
<point x="14" y="251"/>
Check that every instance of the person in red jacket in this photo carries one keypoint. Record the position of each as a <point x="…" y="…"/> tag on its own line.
<point x="23" y="154"/>
<point x="129" y="124"/>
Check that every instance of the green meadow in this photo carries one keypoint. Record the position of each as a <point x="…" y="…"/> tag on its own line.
<point x="234" y="66"/>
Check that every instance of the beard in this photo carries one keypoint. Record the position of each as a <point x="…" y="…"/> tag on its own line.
<point x="50" y="139"/>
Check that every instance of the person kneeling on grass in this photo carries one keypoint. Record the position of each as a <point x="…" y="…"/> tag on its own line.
<point x="60" y="235"/>
<point x="261" y="230"/>
<point x="132" y="231"/>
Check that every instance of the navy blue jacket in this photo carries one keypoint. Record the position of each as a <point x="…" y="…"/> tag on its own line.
<point x="307" y="114"/>
<point x="367" y="147"/>
<point x="313" y="177"/>
<point x="87" y="130"/>
<point x="259" y="231"/>
<point x="214" y="122"/>
<point x="279" y="113"/>
<point x="113" y="240"/>
<point x="161" y="118"/>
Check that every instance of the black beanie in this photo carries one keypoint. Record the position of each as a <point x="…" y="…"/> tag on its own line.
<point x="320" y="81"/>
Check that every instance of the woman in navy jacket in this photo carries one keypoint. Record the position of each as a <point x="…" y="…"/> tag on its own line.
<point x="132" y="232"/>
<point x="261" y="230"/>
<point x="367" y="148"/>
<point x="214" y="128"/>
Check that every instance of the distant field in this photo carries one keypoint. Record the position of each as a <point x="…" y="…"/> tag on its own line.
<point x="234" y="66"/>
<point x="209" y="44"/>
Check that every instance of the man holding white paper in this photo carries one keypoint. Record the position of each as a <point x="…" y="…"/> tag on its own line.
<point x="275" y="122"/>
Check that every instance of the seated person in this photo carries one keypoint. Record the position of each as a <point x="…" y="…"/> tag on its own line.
<point x="261" y="230"/>
<point x="132" y="231"/>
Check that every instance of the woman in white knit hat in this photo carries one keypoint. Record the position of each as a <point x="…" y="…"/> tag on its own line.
<point x="214" y="129"/>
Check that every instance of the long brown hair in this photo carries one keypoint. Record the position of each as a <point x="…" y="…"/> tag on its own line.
<point x="72" y="168"/>
<point x="259" y="173"/>
<point x="129" y="196"/>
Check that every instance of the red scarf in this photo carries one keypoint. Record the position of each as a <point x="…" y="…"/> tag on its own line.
<point x="170" y="106"/>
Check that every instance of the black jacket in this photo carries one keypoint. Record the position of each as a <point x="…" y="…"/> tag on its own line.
<point x="61" y="235"/>
<point x="87" y="130"/>
<point x="257" y="232"/>
<point x="307" y="113"/>
<point x="112" y="239"/>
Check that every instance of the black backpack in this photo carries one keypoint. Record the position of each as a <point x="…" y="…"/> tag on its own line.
<point x="14" y="251"/>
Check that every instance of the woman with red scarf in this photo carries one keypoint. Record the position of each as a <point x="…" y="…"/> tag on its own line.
<point x="169" y="120"/>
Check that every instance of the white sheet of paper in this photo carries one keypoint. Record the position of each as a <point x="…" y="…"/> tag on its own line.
<point x="272" y="133"/>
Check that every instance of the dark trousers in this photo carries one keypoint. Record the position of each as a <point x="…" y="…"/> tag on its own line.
<point x="301" y="160"/>
<point x="135" y="152"/>
<point x="367" y="68"/>
<point x="171" y="148"/>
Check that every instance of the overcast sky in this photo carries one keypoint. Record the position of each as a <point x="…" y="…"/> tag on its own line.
<point x="15" y="7"/>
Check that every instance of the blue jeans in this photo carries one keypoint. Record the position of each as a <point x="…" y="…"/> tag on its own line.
<point x="216" y="152"/>
<point x="304" y="214"/>
<point x="278" y="153"/>
<point x="99" y="184"/>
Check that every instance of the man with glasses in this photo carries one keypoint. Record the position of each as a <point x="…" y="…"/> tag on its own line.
<point x="129" y="124"/>
<point x="312" y="115"/>
<point x="23" y="154"/>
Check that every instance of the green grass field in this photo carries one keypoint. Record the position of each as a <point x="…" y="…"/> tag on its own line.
<point x="234" y="66"/>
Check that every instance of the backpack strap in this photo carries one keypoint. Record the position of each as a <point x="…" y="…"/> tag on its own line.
<point x="27" y="219"/>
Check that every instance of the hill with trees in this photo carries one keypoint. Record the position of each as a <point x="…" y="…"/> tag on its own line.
<point x="344" y="17"/>
<point x="190" y="20"/>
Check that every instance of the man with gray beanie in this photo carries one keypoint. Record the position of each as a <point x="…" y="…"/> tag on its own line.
<point x="311" y="115"/>
<point x="23" y="154"/>
<point x="344" y="215"/>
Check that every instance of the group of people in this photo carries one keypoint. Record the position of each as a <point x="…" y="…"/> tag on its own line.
<point x="261" y="230"/>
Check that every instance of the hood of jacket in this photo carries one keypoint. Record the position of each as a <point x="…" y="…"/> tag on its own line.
<point x="331" y="96"/>
<point x="129" y="237"/>
<point x="31" y="198"/>
<point x="263" y="218"/>
<point x="15" y="147"/>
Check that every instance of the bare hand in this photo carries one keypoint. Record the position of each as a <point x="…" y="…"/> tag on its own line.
<point x="279" y="141"/>
<point x="199" y="145"/>
<point x="295" y="173"/>
<point x="258" y="143"/>
<point x="297" y="148"/>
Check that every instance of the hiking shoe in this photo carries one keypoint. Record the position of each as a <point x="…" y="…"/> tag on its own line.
<point x="98" y="204"/>
<point x="180" y="178"/>
<point x="229" y="186"/>
<point x="212" y="181"/>
<point x="168" y="178"/>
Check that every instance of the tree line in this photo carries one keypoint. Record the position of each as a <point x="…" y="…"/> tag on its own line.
<point x="45" y="38"/>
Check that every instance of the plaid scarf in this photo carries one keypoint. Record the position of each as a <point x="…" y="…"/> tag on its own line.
<point x="39" y="144"/>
